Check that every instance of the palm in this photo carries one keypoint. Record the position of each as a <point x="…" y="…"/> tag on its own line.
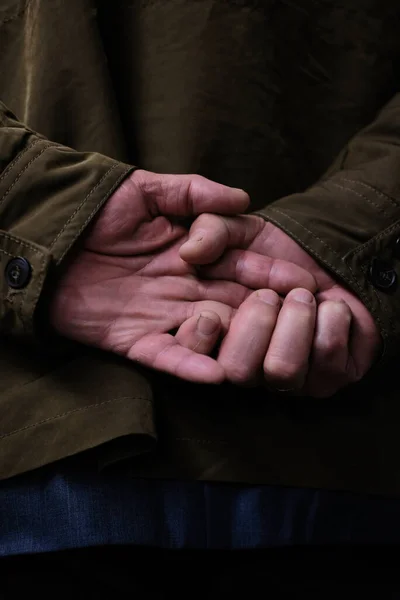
<point x="127" y="288"/>
<point x="113" y="301"/>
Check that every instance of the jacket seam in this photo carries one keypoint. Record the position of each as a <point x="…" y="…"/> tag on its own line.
<point x="94" y="211"/>
<point x="315" y="253"/>
<point x="308" y="231"/>
<point x="372" y="189"/>
<point x="6" y="193"/>
<point x="17" y="159"/>
<point x="69" y="412"/>
<point x="7" y="253"/>
<point x="78" y="208"/>
<point x="17" y="240"/>
<point x="376" y="238"/>
<point x="371" y="202"/>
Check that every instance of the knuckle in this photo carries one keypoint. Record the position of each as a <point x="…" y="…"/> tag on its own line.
<point x="283" y="372"/>
<point x="273" y="272"/>
<point x="242" y="267"/>
<point x="328" y="348"/>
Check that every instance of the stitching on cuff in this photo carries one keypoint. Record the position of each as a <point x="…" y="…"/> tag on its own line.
<point x="23" y="171"/>
<point x="309" y="232"/>
<point x="375" y="238"/>
<point x="18" y="158"/>
<point x="94" y="211"/>
<point x="78" y="208"/>
<point x="70" y="412"/>
<point x="353" y="279"/>
<point x="348" y="189"/>
<point x="371" y="188"/>
<point x="18" y="241"/>
<point x="314" y="252"/>
<point x="7" y="253"/>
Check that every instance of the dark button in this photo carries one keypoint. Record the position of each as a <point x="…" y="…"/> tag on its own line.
<point x="396" y="248"/>
<point x="382" y="275"/>
<point x="18" y="273"/>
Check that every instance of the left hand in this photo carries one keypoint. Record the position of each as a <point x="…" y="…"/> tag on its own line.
<point x="125" y="289"/>
<point x="313" y="346"/>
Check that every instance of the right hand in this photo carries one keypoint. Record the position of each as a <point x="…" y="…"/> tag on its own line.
<point x="311" y="346"/>
<point x="127" y="288"/>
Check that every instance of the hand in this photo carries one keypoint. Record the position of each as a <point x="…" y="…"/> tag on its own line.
<point x="314" y="347"/>
<point x="127" y="288"/>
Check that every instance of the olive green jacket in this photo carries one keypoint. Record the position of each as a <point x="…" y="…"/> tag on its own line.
<point x="258" y="94"/>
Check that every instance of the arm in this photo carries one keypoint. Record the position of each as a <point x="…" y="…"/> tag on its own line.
<point x="350" y="220"/>
<point x="123" y="289"/>
<point x="345" y="231"/>
<point x="48" y="196"/>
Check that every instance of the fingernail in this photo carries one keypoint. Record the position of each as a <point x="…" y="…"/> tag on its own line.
<point x="303" y="296"/>
<point x="206" y="325"/>
<point x="269" y="297"/>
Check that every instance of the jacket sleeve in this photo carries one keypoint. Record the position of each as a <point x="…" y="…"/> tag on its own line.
<point x="48" y="196"/>
<point x="349" y="221"/>
<point x="54" y="405"/>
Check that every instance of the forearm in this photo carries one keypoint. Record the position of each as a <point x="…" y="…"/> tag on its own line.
<point x="48" y="196"/>
<point x="350" y="220"/>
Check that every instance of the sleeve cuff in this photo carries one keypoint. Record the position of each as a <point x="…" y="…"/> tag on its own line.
<point x="352" y="230"/>
<point x="48" y="196"/>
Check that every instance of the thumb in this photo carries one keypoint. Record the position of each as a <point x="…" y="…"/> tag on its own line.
<point x="190" y="195"/>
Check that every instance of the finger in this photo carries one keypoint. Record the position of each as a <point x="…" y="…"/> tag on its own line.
<point x="229" y="292"/>
<point x="224" y="312"/>
<point x="365" y="340"/>
<point x="286" y="361"/>
<point x="256" y="271"/>
<point x="225" y="292"/>
<point x="211" y="235"/>
<point x="331" y="366"/>
<point x="244" y="347"/>
<point x="163" y="353"/>
<point x="200" y="333"/>
<point x="190" y="195"/>
<point x="191" y="289"/>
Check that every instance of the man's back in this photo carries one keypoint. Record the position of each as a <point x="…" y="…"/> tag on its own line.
<point x="241" y="92"/>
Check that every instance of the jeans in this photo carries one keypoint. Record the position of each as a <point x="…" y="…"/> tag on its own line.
<point x="63" y="507"/>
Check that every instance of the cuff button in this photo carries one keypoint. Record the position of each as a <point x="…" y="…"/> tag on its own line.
<point x="18" y="273"/>
<point x="382" y="275"/>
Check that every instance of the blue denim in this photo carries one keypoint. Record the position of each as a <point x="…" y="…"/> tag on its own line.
<point x="54" y="509"/>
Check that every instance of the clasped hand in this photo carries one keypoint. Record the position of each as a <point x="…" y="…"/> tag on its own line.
<point x="234" y="287"/>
